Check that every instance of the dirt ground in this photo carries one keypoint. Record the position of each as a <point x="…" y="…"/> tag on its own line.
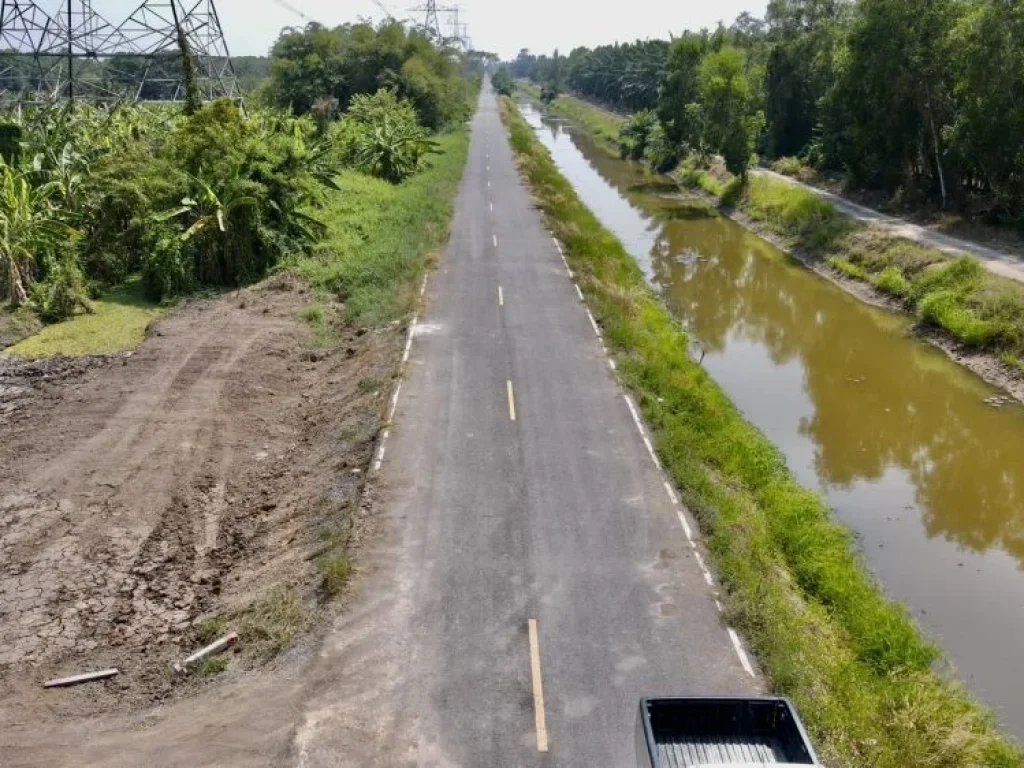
<point x="141" y="495"/>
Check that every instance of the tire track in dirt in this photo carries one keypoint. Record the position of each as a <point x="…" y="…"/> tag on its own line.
<point x="139" y="495"/>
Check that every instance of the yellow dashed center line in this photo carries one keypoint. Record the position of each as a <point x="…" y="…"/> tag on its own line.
<point x="511" y="402"/>
<point x="538" y="689"/>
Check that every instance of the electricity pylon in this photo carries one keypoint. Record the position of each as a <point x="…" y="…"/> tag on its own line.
<point x="65" y="50"/>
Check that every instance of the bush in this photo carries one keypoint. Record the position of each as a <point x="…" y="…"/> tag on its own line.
<point x="383" y="137"/>
<point x="634" y="133"/>
<point x="659" y="152"/>
<point x="502" y="81"/>
<point x="64" y="290"/>
<point x="788" y="166"/>
<point x="167" y="270"/>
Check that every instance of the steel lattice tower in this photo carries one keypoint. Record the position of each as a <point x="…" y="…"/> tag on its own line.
<point x="64" y="50"/>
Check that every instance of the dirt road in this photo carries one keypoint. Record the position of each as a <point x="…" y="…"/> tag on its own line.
<point x="142" y="495"/>
<point x="1004" y="263"/>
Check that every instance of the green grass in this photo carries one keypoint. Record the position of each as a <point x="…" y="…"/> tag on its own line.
<point x="118" y="324"/>
<point x="380" y="234"/>
<point x="853" y="661"/>
<point x="957" y="295"/>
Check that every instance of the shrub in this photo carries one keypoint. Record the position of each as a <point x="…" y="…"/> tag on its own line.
<point x="634" y="133"/>
<point x="788" y="166"/>
<point x="64" y="291"/>
<point x="659" y="152"/>
<point x="383" y="137"/>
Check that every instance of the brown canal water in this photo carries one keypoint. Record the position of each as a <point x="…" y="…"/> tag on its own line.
<point x="897" y="437"/>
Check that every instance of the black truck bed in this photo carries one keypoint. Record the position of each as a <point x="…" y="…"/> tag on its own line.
<point x="683" y="732"/>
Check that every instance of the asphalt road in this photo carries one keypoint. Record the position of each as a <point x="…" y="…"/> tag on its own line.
<point x="1009" y="265"/>
<point x="529" y="537"/>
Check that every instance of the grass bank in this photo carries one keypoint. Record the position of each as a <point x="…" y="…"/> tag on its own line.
<point x="854" y="662"/>
<point x="975" y="308"/>
<point x="601" y="124"/>
<point x="117" y="324"/>
<point x="979" y="310"/>
<point x="379" y="237"/>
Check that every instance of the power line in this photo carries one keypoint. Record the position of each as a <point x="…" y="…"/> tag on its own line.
<point x="288" y="6"/>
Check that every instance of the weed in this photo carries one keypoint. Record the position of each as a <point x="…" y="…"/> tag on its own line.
<point x="313" y="314"/>
<point x="210" y="666"/>
<point x="788" y="166"/>
<point x="211" y="629"/>
<point x="853" y="661"/>
<point x="270" y="625"/>
<point x="847" y="268"/>
<point x="335" y="569"/>
<point x="1013" y="361"/>
<point x="368" y="385"/>
<point x="890" y="280"/>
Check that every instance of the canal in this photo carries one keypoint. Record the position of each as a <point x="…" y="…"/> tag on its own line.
<point x="898" y="438"/>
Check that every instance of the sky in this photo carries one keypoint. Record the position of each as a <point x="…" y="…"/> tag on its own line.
<point x="500" y="26"/>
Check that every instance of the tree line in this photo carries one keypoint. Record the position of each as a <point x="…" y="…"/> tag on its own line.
<point x="93" y="197"/>
<point x="921" y="99"/>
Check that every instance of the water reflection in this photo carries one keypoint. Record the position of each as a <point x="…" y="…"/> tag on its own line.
<point x="896" y="436"/>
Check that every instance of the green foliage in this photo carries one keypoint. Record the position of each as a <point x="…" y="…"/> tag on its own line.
<point x="383" y="138"/>
<point x="315" y="63"/>
<point x="853" y="661"/>
<point x="680" y="91"/>
<point x="503" y="82"/>
<point x="10" y="143"/>
<point x="378" y="235"/>
<point x="659" y="152"/>
<point x="634" y="133"/>
<point x="730" y="127"/>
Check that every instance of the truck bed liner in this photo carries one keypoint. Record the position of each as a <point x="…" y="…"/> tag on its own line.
<point x="685" y="752"/>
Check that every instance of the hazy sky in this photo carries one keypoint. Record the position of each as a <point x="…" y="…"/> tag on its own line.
<point x="502" y="26"/>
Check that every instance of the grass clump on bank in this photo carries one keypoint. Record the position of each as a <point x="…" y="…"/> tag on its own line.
<point x="118" y="323"/>
<point x="854" y="662"/>
<point x="379" y="235"/>
<point x="958" y="295"/>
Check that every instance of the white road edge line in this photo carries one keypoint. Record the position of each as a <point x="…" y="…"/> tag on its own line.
<point x="703" y="568"/>
<point x="738" y="647"/>
<point x="380" y="451"/>
<point x="578" y="291"/>
<point x="394" y="403"/>
<point x="408" y="341"/>
<point x="540" y="721"/>
<point x="593" y="323"/>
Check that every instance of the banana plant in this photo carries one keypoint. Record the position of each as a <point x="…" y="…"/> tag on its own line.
<point x="28" y="227"/>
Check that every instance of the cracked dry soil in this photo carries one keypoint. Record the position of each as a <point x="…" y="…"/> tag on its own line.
<point x="141" y="494"/>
